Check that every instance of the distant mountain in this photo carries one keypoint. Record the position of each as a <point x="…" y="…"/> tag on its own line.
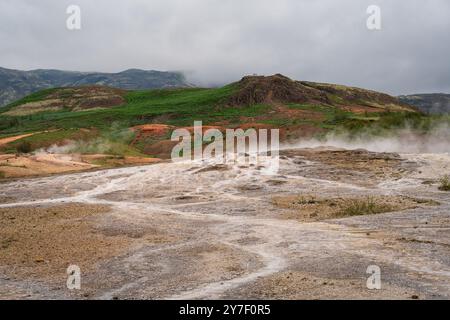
<point x="15" y="84"/>
<point x="431" y="103"/>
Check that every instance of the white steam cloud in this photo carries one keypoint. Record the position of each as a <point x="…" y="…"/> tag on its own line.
<point x="405" y="140"/>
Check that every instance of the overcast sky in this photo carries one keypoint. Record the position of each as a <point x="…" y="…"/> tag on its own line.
<point x="219" y="41"/>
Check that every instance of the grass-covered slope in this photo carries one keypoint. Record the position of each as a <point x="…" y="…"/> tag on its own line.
<point x="297" y="108"/>
<point x="268" y="99"/>
<point x="177" y="106"/>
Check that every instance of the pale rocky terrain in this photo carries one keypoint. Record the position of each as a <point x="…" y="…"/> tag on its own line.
<point x="201" y="230"/>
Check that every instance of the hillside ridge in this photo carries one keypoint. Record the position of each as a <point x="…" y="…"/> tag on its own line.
<point x="278" y="88"/>
<point x="430" y="103"/>
<point x="16" y="84"/>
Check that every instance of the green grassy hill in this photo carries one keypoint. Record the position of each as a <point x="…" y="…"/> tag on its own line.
<point x="297" y="108"/>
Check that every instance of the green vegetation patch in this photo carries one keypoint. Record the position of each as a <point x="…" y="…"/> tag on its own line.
<point x="333" y="115"/>
<point x="363" y="206"/>
<point x="45" y="140"/>
<point x="444" y="183"/>
<point x="171" y="106"/>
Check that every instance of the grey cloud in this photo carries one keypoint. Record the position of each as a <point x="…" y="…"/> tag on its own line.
<point x="217" y="41"/>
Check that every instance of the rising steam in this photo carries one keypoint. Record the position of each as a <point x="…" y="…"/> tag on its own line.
<point x="405" y="140"/>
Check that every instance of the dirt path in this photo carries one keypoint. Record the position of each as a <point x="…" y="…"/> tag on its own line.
<point x="4" y="141"/>
<point x="228" y="240"/>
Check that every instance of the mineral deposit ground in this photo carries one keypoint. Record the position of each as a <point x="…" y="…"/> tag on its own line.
<point x="202" y="231"/>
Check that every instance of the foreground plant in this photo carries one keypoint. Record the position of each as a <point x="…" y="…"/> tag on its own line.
<point x="364" y="206"/>
<point x="444" y="183"/>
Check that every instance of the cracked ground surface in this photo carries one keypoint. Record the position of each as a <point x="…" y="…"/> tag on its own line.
<point x="203" y="231"/>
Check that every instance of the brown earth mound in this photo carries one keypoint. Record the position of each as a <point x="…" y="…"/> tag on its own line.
<point x="276" y="88"/>
<point x="279" y="89"/>
<point x="151" y="131"/>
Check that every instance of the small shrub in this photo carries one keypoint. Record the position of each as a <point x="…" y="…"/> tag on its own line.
<point x="444" y="183"/>
<point x="24" y="147"/>
<point x="338" y="117"/>
<point x="358" y="207"/>
<point x="302" y="200"/>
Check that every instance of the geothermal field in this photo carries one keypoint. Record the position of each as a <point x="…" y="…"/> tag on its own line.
<point x="199" y="230"/>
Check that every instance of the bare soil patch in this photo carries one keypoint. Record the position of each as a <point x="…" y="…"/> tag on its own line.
<point x="7" y="140"/>
<point x="313" y="208"/>
<point x="44" y="241"/>
<point x="41" y="242"/>
<point x="360" y="160"/>
<point x="16" y="166"/>
<point x="359" y="167"/>
<point x="297" y="285"/>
